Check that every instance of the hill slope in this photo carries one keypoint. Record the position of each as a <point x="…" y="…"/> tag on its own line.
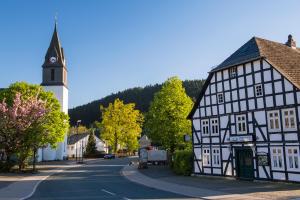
<point x="142" y="97"/>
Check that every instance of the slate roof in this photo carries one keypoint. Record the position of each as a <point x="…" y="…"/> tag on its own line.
<point x="55" y="49"/>
<point x="281" y="56"/>
<point x="284" y="58"/>
<point x="72" y="139"/>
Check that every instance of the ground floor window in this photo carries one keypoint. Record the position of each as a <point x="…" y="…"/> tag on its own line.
<point x="293" y="157"/>
<point x="216" y="157"/>
<point x="277" y="158"/>
<point x="206" y="157"/>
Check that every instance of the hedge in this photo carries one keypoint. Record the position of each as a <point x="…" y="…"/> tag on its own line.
<point x="183" y="162"/>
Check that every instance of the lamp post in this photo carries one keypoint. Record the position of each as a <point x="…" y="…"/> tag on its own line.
<point x="77" y="125"/>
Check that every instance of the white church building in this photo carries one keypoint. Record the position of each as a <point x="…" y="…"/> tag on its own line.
<point x="246" y="119"/>
<point x="55" y="80"/>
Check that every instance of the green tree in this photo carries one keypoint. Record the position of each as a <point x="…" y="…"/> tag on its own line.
<point x="121" y="125"/>
<point x="49" y="130"/>
<point x="91" y="145"/>
<point x="78" y="130"/>
<point x="166" y="122"/>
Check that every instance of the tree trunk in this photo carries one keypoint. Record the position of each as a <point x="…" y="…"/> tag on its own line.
<point x="116" y="143"/>
<point x="34" y="159"/>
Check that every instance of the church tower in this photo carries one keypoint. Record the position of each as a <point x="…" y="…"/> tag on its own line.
<point x="55" y="80"/>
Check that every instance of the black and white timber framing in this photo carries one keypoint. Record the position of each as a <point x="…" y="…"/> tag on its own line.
<point x="250" y="104"/>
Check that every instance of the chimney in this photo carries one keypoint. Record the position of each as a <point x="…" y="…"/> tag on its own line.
<point x="291" y="42"/>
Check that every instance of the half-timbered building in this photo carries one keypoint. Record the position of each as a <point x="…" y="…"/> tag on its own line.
<point x="246" y="119"/>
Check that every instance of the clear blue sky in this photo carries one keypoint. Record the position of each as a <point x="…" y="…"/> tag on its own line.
<point x="113" y="45"/>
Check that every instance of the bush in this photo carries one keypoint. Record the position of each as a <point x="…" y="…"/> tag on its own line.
<point x="6" y="166"/>
<point x="183" y="162"/>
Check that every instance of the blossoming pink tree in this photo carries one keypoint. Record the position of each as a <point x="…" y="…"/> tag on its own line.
<point x="17" y="125"/>
<point x="30" y="118"/>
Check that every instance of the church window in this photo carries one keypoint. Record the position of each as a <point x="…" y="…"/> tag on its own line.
<point x="232" y="72"/>
<point x="241" y="124"/>
<point x="52" y="74"/>
<point x="273" y="121"/>
<point x="277" y="158"/>
<point x="206" y="157"/>
<point x="214" y="126"/>
<point x="205" y="127"/>
<point x="289" y="119"/>
<point x="293" y="158"/>
<point x="258" y="90"/>
<point x="220" y="98"/>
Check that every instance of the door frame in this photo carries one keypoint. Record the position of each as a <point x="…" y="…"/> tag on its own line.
<point x="237" y="150"/>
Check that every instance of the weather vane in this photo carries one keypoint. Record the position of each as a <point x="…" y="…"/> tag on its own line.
<point x="55" y="18"/>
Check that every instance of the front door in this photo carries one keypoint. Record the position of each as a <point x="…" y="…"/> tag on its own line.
<point x="244" y="163"/>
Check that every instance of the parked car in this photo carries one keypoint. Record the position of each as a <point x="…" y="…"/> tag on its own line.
<point x="109" y="156"/>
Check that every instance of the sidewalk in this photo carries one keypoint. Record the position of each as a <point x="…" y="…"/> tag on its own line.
<point x="207" y="187"/>
<point x="21" y="186"/>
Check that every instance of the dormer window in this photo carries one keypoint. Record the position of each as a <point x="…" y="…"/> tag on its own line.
<point x="232" y="72"/>
<point x="220" y="98"/>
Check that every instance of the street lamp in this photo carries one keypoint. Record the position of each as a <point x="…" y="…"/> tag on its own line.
<point x="77" y="125"/>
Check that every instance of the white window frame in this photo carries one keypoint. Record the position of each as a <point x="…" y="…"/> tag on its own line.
<point x="258" y="90"/>
<point x="205" y="126"/>
<point x="277" y="158"/>
<point x="220" y="100"/>
<point x="290" y="119"/>
<point x="232" y="72"/>
<point x="206" y="157"/>
<point x="241" y="122"/>
<point x="214" y="126"/>
<point x="292" y="158"/>
<point x="216" y="158"/>
<point x="274" y="120"/>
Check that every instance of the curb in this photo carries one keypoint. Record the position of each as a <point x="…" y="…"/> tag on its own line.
<point x="132" y="174"/>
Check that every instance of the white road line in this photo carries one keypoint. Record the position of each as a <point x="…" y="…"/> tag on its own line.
<point x="108" y="192"/>
<point x="125" y="198"/>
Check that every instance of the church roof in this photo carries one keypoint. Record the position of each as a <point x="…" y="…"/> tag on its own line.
<point x="283" y="57"/>
<point x="55" y="49"/>
<point x="72" y="139"/>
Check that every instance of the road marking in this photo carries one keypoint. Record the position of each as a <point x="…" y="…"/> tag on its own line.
<point x="125" y="198"/>
<point x="108" y="192"/>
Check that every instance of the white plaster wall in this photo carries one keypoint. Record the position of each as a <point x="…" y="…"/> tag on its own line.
<point x="196" y="124"/>
<point x="289" y="98"/>
<point x="240" y="70"/>
<point x="266" y="65"/>
<point x="279" y="100"/>
<point x="207" y="170"/>
<point x="287" y="86"/>
<point x="197" y="152"/>
<point x="256" y="65"/>
<point x="216" y="171"/>
<point x="257" y="78"/>
<point x="61" y="93"/>
<point x="278" y="176"/>
<point x="196" y="168"/>
<point x="294" y="177"/>
<point x="267" y="75"/>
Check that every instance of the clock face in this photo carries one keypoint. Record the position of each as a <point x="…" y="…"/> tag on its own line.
<point x="52" y="59"/>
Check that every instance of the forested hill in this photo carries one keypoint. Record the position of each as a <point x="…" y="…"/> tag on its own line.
<point x="142" y="97"/>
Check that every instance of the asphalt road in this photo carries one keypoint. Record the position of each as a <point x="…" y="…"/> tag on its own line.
<point x="100" y="179"/>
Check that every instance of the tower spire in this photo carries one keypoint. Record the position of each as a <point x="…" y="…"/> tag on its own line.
<point x="54" y="67"/>
<point x="55" y="49"/>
